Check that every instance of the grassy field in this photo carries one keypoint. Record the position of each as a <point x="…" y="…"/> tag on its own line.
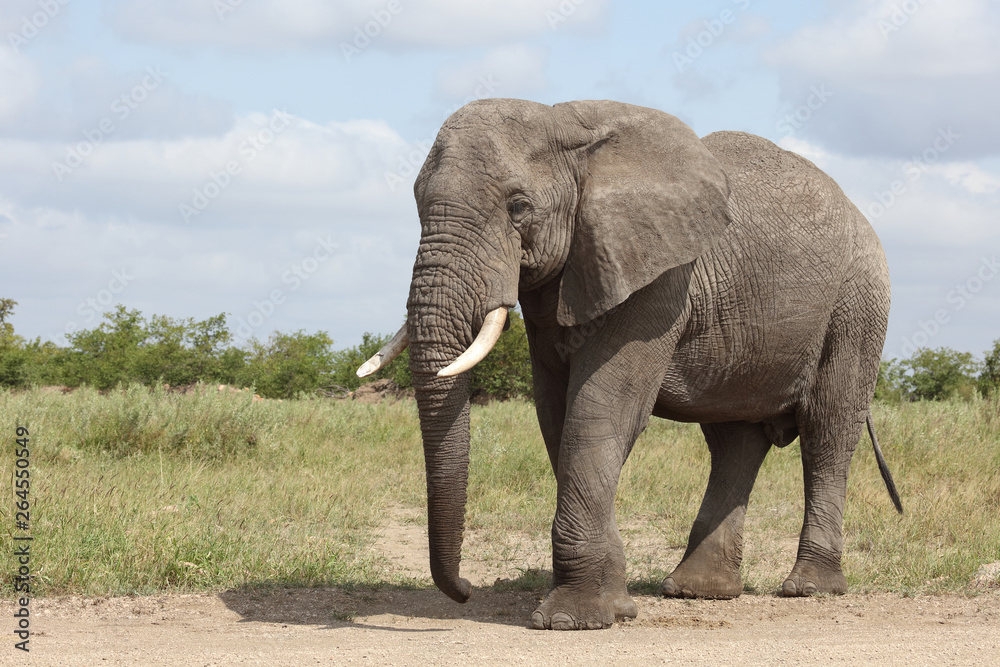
<point x="139" y="492"/>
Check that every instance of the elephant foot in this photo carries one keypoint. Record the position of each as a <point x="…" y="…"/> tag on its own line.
<point x="571" y="610"/>
<point x="810" y="579"/>
<point x="687" y="582"/>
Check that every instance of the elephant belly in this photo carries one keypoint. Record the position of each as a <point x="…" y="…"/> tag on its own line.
<point x="722" y="407"/>
<point x="759" y="314"/>
<point x="705" y="384"/>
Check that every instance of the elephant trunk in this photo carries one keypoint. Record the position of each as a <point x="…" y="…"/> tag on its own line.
<point x="444" y="424"/>
<point x="460" y="278"/>
<point x="439" y="332"/>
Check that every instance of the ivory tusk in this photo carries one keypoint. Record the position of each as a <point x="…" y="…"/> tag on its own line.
<point x="384" y="357"/>
<point x="487" y="338"/>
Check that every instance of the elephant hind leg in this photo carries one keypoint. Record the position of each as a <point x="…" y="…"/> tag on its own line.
<point x="830" y="424"/>
<point x="826" y="459"/>
<point x="711" y="564"/>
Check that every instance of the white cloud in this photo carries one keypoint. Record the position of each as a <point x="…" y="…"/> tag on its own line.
<point x="18" y="84"/>
<point x="279" y="165"/>
<point x="973" y="178"/>
<point x="251" y="23"/>
<point x="23" y="20"/>
<point x="508" y="70"/>
<point x="899" y="72"/>
<point x="393" y="24"/>
<point x="707" y="56"/>
<point x="296" y="186"/>
<point x="881" y="40"/>
<point x="136" y="103"/>
<point x="462" y="23"/>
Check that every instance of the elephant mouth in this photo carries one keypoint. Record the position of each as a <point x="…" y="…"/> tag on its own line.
<point x="481" y="346"/>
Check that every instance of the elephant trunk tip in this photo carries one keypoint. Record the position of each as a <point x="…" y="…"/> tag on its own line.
<point x="457" y="588"/>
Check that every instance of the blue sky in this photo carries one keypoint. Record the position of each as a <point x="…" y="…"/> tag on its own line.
<point x="255" y="157"/>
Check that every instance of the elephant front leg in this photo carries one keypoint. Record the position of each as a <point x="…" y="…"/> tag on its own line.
<point x="606" y="411"/>
<point x="711" y="564"/>
<point x="615" y="373"/>
<point x="588" y="561"/>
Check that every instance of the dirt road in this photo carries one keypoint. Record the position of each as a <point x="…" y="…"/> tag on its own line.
<point x="405" y="627"/>
<point x="423" y="627"/>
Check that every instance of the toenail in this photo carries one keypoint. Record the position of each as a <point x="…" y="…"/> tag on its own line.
<point x="563" y="621"/>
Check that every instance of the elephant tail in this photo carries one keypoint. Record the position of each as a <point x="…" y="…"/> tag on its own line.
<point x="883" y="467"/>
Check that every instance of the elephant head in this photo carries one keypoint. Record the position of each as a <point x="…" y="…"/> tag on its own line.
<point x="603" y="197"/>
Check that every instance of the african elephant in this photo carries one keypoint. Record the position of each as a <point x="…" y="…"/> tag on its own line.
<point x="722" y="281"/>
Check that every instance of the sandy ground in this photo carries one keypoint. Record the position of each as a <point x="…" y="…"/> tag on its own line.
<point x="423" y="627"/>
<point x="329" y="627"/>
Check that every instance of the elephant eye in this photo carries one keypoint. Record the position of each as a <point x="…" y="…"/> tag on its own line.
<point x="518" y="210"/>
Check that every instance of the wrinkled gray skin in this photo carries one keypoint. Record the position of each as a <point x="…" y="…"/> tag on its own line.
<point x="721" y="280"/>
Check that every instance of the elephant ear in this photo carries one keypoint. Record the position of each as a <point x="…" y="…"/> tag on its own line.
<point x="652" y="197"/>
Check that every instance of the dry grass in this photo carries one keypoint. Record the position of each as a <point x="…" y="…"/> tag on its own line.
<point x="138" y="492"/>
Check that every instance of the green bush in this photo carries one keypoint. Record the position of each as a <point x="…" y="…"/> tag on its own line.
<point x="25" y="363"/>
<point x="936" y="375"/>
<point x="346" y="363"/>
<point x="126" y="348"/>
<point x="14" y="367"/>
<point x="288" y="364"/>
<point x="180" y="352"/>
<point x="13" y="358"/>
<point x="989" y="378"/>
<point x="890" y="385"/>
<point x="506" y="370"/>
<point x="45" y="363"/>
<point x="106" y="356"/>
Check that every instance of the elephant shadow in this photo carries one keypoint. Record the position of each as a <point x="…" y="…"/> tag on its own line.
<point x="507" y="603"/>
